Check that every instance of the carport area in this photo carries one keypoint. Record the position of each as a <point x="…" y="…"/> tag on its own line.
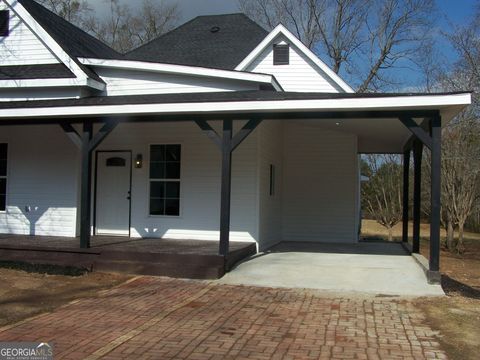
<point x="373" y="268"/>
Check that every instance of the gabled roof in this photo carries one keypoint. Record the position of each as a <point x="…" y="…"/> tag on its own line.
<point x="75" y="41"/>
<point x="282" y="30"/>
<point x="218" y="41"/>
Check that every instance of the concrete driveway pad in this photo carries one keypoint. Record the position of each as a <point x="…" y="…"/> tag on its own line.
<point x="160" y="318"/>
<point x="374" y="268"/>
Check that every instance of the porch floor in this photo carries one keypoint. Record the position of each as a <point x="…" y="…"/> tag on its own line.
<point x="166" y="257"/>
<point x="98" y="243"/>
<point x="375" y="268"/>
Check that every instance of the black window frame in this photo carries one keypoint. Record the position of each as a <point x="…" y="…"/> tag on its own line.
<point x="281" y="54"/>
<point x="4" y="23"/>
<point x="3" y="176"/>
<point x="162" y="192"/>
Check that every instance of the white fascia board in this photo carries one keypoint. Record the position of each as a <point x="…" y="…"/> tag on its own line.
<point x="280" y="29"/>
<point x="182" y="70"/>
<point x="450" y="103"/>
<point x="52" y="45"/>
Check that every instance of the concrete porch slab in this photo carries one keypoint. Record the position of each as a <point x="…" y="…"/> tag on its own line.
<point x="373" y="268"/>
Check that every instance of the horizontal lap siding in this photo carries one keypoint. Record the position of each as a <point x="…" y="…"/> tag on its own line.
<point x="127" y="82"/>
<point x="42" y="178"/>
<point x="22" y="46"/>
<point x="300" y="75"/>
<point x="200" y="182"/>
<point x="320" y="185"/>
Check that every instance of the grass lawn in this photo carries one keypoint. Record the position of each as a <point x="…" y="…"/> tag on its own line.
<point x="24" y="294"/>
<point x="456" y="316"/>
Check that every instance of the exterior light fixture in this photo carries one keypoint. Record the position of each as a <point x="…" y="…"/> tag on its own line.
<point x="139" y="161"/>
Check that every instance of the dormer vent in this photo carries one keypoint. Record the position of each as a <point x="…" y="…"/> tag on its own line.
<point x="281" y="54"/>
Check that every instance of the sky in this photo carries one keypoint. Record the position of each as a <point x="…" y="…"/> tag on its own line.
<point x="450" y="13"/>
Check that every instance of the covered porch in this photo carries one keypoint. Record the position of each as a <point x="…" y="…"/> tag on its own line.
<point x="393" y="123"/>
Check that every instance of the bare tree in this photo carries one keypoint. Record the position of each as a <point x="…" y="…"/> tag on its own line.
<point x="461" y="139"/>
<point x="362" y="37"/>
<point x="123" y="28"/>
<point x="74" y="11"/>
<point x="382" y="193"/>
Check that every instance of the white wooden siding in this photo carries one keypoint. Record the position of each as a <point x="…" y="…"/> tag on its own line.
<point x="300" y="75"/>
<point x="316" y="183"/>
<point x="200" y="183"/>
<point x="270" y="153"/>
<point x="320" y="184"/>
<point x="128" y="82"/>
<point x="41" y="182"/>
<point x="22" y="46"/>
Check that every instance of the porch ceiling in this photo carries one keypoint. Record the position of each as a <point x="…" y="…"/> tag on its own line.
<point x="382" y="135"/>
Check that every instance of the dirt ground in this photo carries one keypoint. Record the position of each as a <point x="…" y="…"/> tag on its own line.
<point x="456" y="316"/>
<point x="24" y="294"/>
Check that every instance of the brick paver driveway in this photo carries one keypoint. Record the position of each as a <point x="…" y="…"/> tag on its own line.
<point x="158" y="318"/>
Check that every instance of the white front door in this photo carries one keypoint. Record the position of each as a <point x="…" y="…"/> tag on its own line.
<point x="113" y="193"/>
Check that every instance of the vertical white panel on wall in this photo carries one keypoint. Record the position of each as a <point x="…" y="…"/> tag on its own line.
<point x="320" y="184"/>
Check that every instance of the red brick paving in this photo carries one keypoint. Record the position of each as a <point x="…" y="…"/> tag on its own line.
<point x="159" y="318"/>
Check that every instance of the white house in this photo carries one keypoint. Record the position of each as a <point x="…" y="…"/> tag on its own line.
<point x="93" y="142"/>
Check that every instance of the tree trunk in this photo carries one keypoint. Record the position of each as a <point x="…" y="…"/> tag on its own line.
<point x="450" y="236"/>
<point x="390" y="233"/>
<point x="460" y="244"/>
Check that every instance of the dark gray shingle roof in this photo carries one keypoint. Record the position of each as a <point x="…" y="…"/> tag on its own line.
<point x="22" y="72"/>
<point x="217" y="41"/>
<point x="73" y="40"/>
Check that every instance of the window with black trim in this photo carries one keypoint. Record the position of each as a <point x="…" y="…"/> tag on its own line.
<point x="165" y="161"/>
<point x="281" y="54"/>
<point x="4" y="22"/>
<point x="3" y="176"/>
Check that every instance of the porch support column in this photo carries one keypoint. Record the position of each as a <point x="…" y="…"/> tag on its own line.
<point x="227" y="143"/>
<point x="435" y="191"/>
<point x="417" y="192"/>
<point x="87" y="142"/>
<point x="86" y="185"/>
<point x="226" y="187"/>
<point x="406" y="205"/>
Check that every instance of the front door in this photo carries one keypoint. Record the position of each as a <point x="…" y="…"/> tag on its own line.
<point x="113" y="182"/>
